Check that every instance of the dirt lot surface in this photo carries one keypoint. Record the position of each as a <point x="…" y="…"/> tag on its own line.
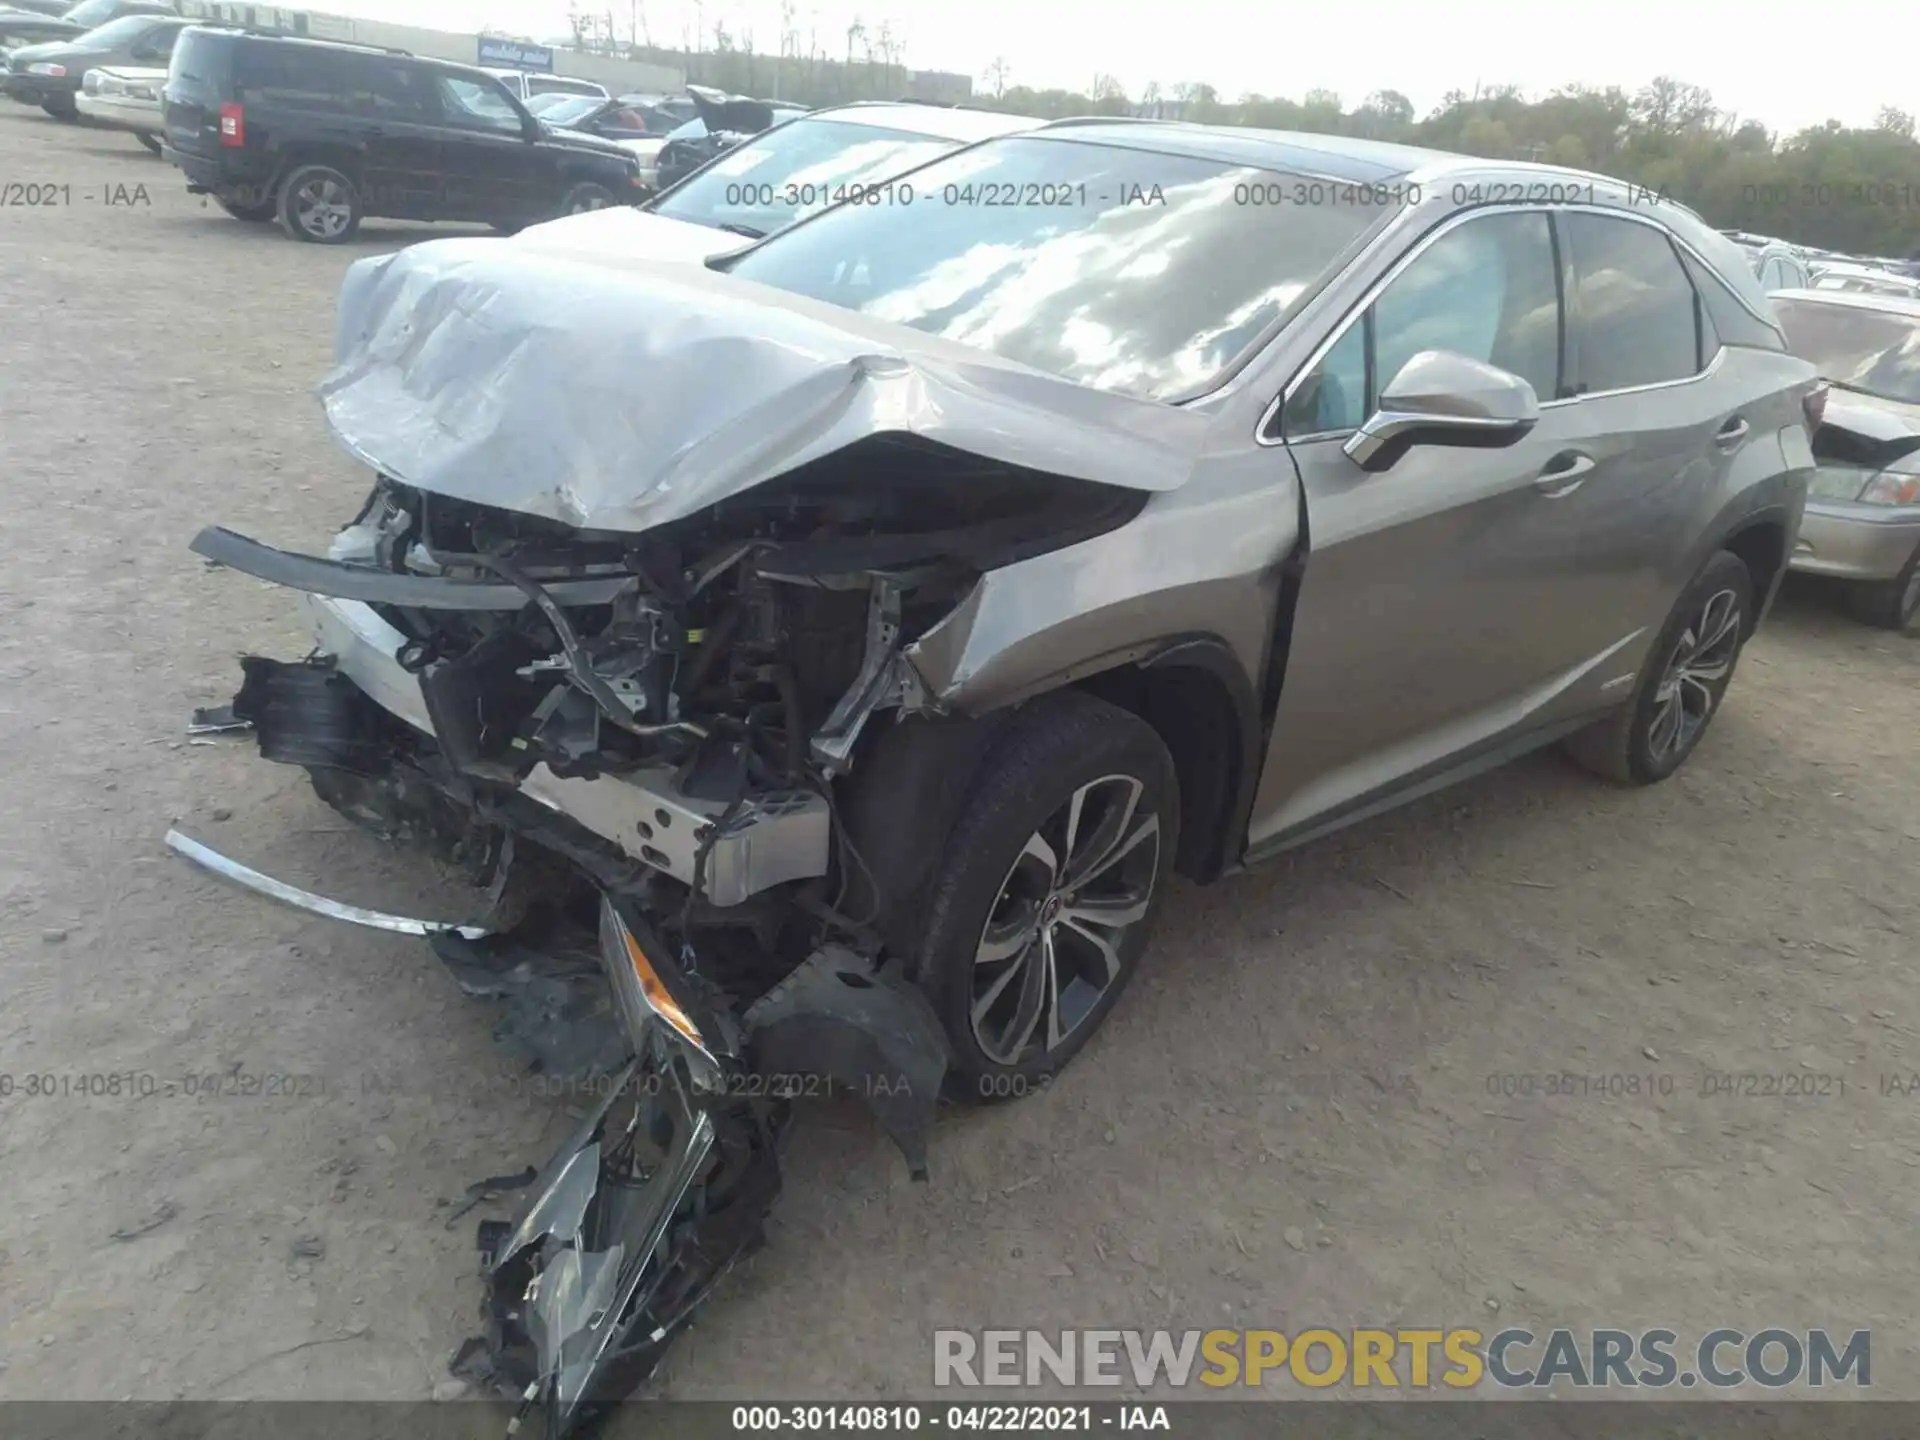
<point x="1298" y="1117"/>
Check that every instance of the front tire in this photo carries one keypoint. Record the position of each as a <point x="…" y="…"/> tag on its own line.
<point x="146" y="138"/>
<point x="1047" y="890"/>
<point x="320" y="205"/>
<point x="1686" y="676"/>
<point x="584" y="197"/>
<point x="1890" y="604"/>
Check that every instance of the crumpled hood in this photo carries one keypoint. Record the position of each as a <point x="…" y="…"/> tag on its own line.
<point x="616" y="393"/>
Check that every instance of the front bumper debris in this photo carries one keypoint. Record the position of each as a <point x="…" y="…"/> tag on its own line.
<point x="306" y="900"/>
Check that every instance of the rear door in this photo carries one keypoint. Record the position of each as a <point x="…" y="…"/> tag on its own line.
<point x="1662" y="435"/>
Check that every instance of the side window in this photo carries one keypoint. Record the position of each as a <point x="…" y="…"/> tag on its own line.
<point x="157" y="43"/>
<point x="1770" y="275"/>
<point x="283" y="76"/>
<point x="1485" y="289"/>
<point x="385" y="90"/>
<point x="1334" y="396"/>
<point x="472" y="106"/>
<point x="1632" y="315"/>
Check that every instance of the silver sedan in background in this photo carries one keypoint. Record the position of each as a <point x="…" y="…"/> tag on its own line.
<point x="1863" y="514"/>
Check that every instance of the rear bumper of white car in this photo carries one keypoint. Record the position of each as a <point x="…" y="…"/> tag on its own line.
<point x="120" y="113"/>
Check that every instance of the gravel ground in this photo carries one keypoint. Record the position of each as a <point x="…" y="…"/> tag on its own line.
<point x="1296" y="1117"/>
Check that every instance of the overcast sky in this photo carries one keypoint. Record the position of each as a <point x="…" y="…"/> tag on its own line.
<point x="1859" y="54"/>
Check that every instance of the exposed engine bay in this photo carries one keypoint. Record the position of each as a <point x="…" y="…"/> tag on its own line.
<point x="641" y="746"/>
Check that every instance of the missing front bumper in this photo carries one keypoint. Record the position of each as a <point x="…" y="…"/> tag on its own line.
<point x="331" y="714"/>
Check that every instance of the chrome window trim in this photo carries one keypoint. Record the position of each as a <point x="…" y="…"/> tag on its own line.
<point x="1263" y="429"/>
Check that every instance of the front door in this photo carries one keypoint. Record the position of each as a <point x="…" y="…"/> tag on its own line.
<point x="494" y="169"/>
<point x="1436" y="616"/>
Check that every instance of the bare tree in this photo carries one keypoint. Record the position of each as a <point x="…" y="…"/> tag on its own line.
<point x="994" y="77"/>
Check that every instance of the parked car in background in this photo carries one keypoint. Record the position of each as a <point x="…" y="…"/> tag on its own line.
<point x="24" y="27"/>
<point x="1863" y="516"/>
<point x="91" y="14"/>
<point x="523" y="85"/>
<point x="871" y="623"/>
<point x="779" y="177"/>
<point x="1864" y="279"/>
<point x="125" y="98"/>
<point x="49" y="75"/>
<point x="39" y="7"/>
<point x="626" y="117"/>
<point x="319" y="135"/>
<point x="1779" y="267"/>
<point x="724" y="121"/>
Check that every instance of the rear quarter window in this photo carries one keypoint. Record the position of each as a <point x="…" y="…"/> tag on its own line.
<point x="1730" y="320"/>
<point x="290" y="77"/>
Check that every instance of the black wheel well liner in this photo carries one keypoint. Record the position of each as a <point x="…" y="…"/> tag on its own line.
<point x="1760" y="541"/>
<point x="1195" y="694"/>
<point x="344" y="158"/>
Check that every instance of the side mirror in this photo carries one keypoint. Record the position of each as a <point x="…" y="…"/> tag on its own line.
<point x="1440" y="398"/>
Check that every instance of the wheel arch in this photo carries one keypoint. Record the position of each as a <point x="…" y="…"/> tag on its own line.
<point x="1197" y="697"/>
<point x="1760" y="541"/>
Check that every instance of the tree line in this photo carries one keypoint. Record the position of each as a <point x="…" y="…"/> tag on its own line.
<point x="1855" y="190"/>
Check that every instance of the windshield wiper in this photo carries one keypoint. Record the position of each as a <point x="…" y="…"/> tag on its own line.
<point x="746" y="230"/>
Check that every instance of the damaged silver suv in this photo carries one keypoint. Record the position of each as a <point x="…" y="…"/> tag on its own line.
<point x="844" y="643"/>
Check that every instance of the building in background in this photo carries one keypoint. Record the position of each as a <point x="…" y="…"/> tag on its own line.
<point x="618" y="74"/>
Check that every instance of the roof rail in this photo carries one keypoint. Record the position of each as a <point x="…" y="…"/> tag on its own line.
<point x="271" y="32"/>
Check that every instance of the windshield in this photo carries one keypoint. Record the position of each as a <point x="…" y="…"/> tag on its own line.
<point x="786" y="174"/>
<point x="1123" y="269"/>
<point x="559" y="108"/>
<point x="1871" y="350"/>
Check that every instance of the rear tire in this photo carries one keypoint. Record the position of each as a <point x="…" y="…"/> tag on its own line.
<point x="258" y="211"/>
<point x="320" y="205"/>
<point x="1686" y="676"/>
<point x="1890" y="604"/>
<point x="151" y="141"/>
<point x="1046" y="891"/>
<point x="61" y="110"/>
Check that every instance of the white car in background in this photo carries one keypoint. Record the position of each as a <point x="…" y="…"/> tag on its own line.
<point x="525" y="84"/>
<point x="1865" y="280"/>
<point x="125" y="97"/>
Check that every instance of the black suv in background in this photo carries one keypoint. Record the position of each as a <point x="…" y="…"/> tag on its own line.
<point x="318" y="135"/>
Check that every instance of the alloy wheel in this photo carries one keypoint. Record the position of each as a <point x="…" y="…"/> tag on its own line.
<point x="321" y="207"/>
<point x="1695" y="676"/>
<point x="1050" y="949"/>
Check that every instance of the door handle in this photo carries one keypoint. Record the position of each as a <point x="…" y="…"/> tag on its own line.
<point x="1732" y="433"/>
<point x="1564" y="474"/>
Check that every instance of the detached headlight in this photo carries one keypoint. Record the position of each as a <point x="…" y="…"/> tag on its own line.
<point x="640" y="986"/>
<point x="1891" y="487"/>
<point x="46" y="67"/>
